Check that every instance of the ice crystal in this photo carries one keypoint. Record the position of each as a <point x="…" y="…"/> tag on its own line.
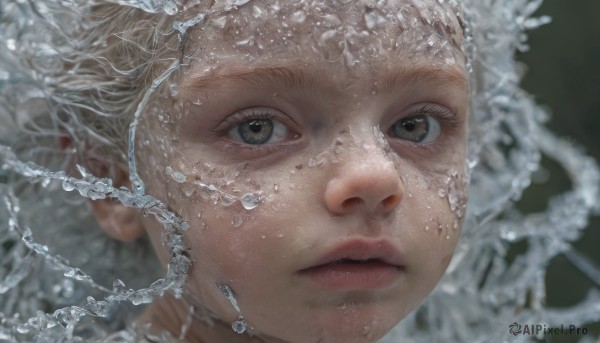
<point x="239" y="326"/>
<point x="47" y="297"/>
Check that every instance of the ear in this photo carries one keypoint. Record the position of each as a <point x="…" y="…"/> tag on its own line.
<point x="115" y="219"/>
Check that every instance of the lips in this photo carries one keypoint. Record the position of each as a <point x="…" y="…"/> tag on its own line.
<point x="357" y="265"/>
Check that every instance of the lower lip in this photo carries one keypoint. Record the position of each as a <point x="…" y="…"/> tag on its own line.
<point x="347" y="276"/>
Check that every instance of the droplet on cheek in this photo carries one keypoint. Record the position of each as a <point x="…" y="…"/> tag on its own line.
<point x="250" y="200"/>
<point x="237" y="220"/>
<point x="227" y="199"/>
<point x="188" y="192"/>
<point x="298" y="17"/>
<point x="240" y="325"/>
<point x="175" y="175"/>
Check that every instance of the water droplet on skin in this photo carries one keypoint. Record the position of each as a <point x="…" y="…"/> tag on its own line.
<point x="237" y="221"/>
<point x="219" y="22"/>
<point x="448" y="237"/>
<point x="239" y="326"/>
<point x="332" y="19"/>
<point x="410" y="195"/>
<point x="298" y="17"/>
<point x="281" y="235"/>
<point x="250" y="201"/>
<point x="175" y="175"/>
<point x="426" y="227"/>
<point x="231" y="4"/>
<point x="247" y="41"/>
<point x="256" y="12"/>
<point x="455" y="225"/>
<point x="441" y="193"/>
<point x="228" y="200"/>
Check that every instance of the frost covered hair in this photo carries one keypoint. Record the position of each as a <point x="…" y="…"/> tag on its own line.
<point x="75" y="72"/>
<point x="87" y="72"/>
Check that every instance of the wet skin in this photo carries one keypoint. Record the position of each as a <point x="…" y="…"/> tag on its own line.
<point x="353" y="163"/>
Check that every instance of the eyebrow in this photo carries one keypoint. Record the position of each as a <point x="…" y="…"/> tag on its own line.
<point x="424" y="76"/>
<point x="292" y="78"/>
<point x="298" y="79"/>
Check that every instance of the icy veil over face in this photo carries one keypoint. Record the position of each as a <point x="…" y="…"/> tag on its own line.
<point x="61" y="279"/>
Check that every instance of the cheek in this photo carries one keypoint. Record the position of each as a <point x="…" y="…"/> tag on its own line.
<point x="229" y="243"/>
<point x="238" y="241"/>
<point x="433" y="207"/>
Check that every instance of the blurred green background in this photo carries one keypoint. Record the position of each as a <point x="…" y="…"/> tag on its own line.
<point x="564" y="74"/>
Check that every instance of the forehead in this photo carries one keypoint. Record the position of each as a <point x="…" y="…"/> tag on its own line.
<point x="354" y="33"/>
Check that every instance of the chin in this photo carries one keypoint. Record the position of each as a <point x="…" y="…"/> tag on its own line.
<point x="358" y="323"/>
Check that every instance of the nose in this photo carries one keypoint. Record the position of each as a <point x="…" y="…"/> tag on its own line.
<point x="368" y="185"/>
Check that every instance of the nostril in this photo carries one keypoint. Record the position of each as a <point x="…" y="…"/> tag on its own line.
<point x="351" y="203"/>
<point x="391" y="201"/>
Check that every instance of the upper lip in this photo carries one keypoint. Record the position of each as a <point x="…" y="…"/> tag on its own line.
<point x="361" y="250"/>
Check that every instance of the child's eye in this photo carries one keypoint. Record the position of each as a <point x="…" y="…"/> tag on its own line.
<point x="257" y="129"/>
<point x="420" y="129"/>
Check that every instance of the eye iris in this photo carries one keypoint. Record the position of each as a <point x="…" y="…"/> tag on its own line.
<point x="256" y="131"/>
<point x="414" y="129"/>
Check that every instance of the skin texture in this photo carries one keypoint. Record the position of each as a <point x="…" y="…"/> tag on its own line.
<point x="338" y="173"/>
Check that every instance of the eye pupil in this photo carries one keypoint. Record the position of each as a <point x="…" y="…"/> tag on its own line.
<point x="256" y="131"/>
<point x="256" y="125"/>
<point x="416" y="129"/>
<point x="411" y="124"/>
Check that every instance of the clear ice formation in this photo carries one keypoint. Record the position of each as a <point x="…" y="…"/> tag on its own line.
<point x="240" y="325"/>
<point x="49" y="292"/>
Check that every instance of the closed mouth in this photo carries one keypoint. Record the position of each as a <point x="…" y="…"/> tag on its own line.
<point x="354" y="274"/>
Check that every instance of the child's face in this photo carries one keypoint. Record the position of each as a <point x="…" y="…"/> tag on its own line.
<point x="357" y="150"/>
